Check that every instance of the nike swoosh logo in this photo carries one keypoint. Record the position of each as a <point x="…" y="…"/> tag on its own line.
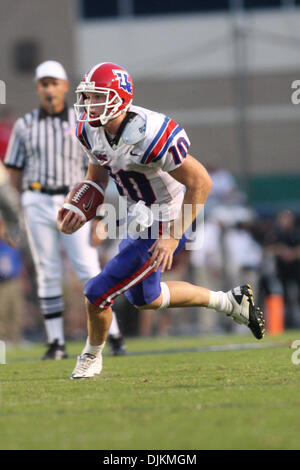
<point x="87" y="206"/>
<point x="135" y="154"/>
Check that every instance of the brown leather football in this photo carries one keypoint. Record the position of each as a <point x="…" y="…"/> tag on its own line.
<point x="84" y="199"/>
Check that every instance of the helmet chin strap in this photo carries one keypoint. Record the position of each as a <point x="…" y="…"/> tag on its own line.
<point x="97" y="123"/>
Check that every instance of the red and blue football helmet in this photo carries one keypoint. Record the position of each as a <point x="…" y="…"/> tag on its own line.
<point x="114" y="83"/>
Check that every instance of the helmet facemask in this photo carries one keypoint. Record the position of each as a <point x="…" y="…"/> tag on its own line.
<point x="110" y="105"/>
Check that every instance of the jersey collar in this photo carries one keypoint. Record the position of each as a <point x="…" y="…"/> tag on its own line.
<point x="129" y="115"/>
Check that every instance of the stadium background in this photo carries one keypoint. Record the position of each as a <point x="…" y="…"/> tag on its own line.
<point x="224" y="70"/>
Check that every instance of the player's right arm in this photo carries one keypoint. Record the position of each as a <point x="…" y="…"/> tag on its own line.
<point x="10" y="225"/>
<point x="98" y="174"/>
<point x="15" y="156"/>
<point x="70" y="222"/>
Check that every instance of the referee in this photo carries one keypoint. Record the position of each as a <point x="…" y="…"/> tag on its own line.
<point x="45" y="160"/>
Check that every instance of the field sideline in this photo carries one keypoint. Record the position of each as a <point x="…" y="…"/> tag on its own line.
<point x="167" y="394"/>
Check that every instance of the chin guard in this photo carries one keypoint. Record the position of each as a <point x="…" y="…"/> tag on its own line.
<point x="135" y="130"/>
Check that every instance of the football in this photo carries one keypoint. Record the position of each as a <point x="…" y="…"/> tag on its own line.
<point x="84" y="199"/>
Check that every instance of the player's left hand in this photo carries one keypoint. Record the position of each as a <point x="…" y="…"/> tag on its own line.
<point x="162" y="252"/>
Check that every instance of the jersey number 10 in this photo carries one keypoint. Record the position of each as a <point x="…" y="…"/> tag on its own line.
<point x="135" y="184"/>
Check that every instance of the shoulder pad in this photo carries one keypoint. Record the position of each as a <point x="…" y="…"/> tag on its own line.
<point x="135" y="130"/>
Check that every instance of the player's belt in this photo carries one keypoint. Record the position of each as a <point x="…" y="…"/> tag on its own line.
<point x="52" y="191"/>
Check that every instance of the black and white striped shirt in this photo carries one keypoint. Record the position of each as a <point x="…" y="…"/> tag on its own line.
<point x="46" y="149"/>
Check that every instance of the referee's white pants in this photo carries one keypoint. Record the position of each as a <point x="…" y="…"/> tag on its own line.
<point x="46" y="241"/>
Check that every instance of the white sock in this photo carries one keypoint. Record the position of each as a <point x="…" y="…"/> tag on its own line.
<point x="220" y="302"/>
<point x="55" y="330"/>
<point x="95" y="350"/>
<point x="114" y="327"/>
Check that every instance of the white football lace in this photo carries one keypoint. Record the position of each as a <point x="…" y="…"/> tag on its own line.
<point x="80" y="192"/>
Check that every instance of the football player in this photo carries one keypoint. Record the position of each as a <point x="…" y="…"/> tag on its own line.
<point x="146" y="153"/>
<point x="44" y="160"/>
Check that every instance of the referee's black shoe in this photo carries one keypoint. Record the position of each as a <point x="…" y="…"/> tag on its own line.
<point x="55" y="352"/>
<point x="116" y="345"/>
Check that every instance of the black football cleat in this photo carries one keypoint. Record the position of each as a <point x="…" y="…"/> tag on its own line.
<point x="55" y="352"/>
<point x="245" y="312"/>
<point x="116" y="345"/>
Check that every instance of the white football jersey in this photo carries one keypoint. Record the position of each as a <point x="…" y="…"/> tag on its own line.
<point x="150" y="146"/>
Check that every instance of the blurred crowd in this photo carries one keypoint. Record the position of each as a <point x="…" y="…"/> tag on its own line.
<point x="240" y="245"/>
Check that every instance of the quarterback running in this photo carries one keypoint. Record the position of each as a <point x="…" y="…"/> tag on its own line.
<point x="146" y="154"/>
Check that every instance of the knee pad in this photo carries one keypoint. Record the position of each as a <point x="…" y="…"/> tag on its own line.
<point x="166" y="296"/>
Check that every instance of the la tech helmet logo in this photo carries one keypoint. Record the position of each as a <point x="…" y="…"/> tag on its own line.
<point x="123" y="80"/>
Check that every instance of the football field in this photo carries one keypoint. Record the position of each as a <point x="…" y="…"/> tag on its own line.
<point x="225" y="392"/>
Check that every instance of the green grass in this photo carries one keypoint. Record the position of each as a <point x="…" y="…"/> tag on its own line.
<point x="242" y="399"/>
